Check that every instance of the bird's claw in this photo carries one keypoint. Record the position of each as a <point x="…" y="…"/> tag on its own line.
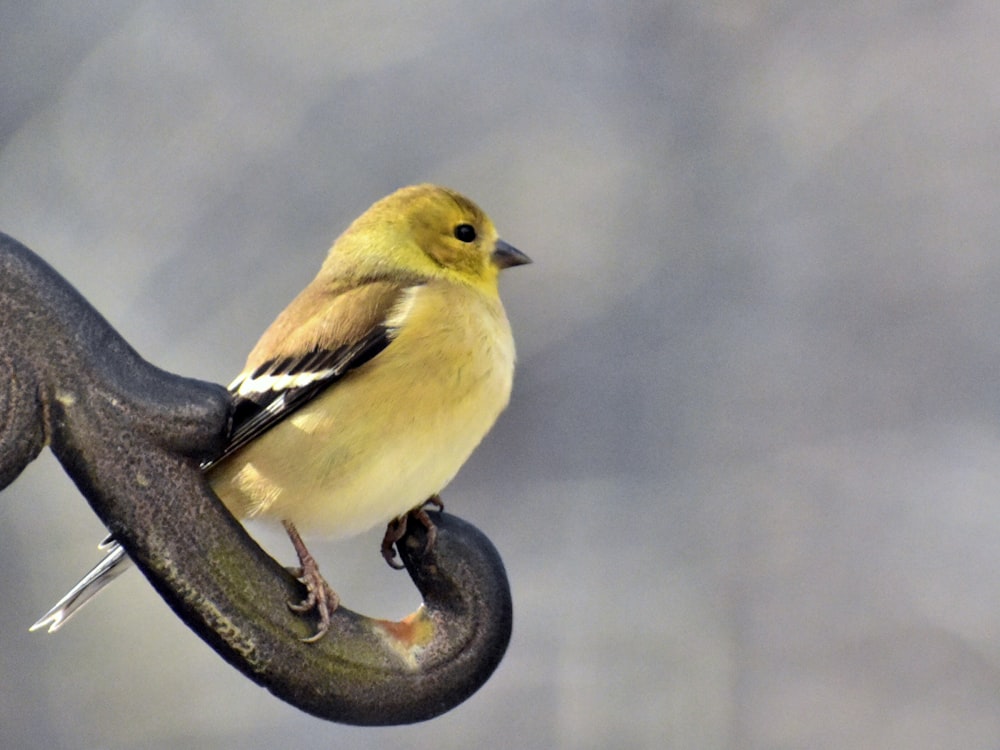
<point x="319" y="596"/>
<point x="396" y="529"/>
<point x="393" y="533"/>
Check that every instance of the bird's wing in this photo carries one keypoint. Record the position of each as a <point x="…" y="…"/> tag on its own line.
<point x="269" y="391"/>
<point x="325" y="338"/>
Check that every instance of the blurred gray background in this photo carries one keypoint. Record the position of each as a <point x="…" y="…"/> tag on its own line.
<point x="747" y="490"/>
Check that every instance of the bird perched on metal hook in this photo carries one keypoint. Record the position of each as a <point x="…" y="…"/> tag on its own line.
<point x="369" y="391"/>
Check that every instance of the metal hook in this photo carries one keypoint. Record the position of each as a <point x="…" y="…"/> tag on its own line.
<point x="131" y="436"/>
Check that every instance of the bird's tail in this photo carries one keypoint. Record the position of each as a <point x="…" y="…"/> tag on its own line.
<point x="115" y="563"/>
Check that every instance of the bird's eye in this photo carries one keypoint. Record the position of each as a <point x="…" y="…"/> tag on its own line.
<point x="465" y="233"/>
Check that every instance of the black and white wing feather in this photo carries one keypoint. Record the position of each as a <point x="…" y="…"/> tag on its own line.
<point x="277" y="388"/>
<point x="271" y="391"/>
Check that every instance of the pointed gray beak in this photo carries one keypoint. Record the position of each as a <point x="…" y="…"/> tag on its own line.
<point x="506" y="256"/>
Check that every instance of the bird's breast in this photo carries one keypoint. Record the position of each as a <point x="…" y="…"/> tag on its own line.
<point x="391" y="433"/>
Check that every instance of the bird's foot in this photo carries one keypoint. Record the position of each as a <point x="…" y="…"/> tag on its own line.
<point x="319" y="596"/>
<point x="397" y="529"/>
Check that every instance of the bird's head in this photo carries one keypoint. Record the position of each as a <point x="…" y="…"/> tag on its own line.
<point x="425" y="231"/>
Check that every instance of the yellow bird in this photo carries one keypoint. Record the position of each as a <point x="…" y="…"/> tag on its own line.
<point x="367" y="394"/>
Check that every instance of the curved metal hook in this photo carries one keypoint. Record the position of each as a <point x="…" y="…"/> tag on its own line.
<point x="131" y="436"/>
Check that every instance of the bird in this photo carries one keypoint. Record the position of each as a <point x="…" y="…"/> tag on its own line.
<point x="368" y="392"/>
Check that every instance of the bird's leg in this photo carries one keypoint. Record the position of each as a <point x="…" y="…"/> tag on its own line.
<point x="434" y="500"/>
<point x="397" y="528"/>
<point x="393" y="533"/>
<point x="421" y="515"/>
<point x="319" y="595"/>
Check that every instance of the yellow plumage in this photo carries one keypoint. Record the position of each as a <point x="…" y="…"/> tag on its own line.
<point x="372" y="388"/>
<point x="394" y="431"/>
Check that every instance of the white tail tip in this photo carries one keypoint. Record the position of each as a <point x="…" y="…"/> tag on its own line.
<point x="108" y="569"/>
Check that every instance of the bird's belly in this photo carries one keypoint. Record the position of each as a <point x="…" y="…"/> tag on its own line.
<point x="354" y="492"/>
<point x="388" y="447"/>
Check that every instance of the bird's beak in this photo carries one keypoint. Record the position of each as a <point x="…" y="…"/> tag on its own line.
<point x="505" y="256"/>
